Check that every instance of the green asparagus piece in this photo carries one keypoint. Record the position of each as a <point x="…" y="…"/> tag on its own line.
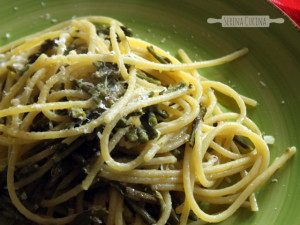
<point x="132" y="135"/>
<point x="142" y="134"/>
<point x="176" y="87"/>
<point x="195" y="125"/>
<point x="141" y="211"/>
<point x="148" y="77"/>
<point x="137" y="195"/>
<point x="159" y="58"/>
<point x="152" y="119"/>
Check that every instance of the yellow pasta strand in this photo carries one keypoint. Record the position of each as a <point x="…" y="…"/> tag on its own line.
<point x="98" y="126"/>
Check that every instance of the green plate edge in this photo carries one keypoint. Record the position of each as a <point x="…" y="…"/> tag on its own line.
<point x="272" y="60"/>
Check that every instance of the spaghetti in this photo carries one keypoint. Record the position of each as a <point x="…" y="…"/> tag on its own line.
<point x="97" y="126"/>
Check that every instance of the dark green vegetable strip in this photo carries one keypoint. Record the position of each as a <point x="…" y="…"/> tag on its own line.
<point x="140" y="210"/>
<point x="152" y="119"/>
<point x="177" y="87"/>
<point x="134" y="197"/>
<point x="238" y="140"/>
<point x="142" y="134"/>
<point x="159" y="58"/>
<point x="157" y="111"/>
<point x="137" y="195"/>
<point x="102" y="29"/>
<point x="127" y="31"/>
<point x="135" y="113"/>
<point x="132" y="135"/>
<point x="152" y="133"/>
<point x="46" y="45"/>
<point x="195" y="125"/>
<point x="163" y="113"/>
<point x="148" y="77"/>
<point x="203" y="111"/>
<point x="132" y="193"/>
<point x="244" y="144"/>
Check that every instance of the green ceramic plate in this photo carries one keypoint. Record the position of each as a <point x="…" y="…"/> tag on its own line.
<point x="270" y="72"/>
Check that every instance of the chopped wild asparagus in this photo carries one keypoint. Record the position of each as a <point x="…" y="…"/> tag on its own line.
<point x="159" y="58"/>
<point x="148" y="77"/>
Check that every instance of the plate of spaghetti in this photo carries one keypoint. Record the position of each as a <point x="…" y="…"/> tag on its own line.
<point x="144" y="113"/>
